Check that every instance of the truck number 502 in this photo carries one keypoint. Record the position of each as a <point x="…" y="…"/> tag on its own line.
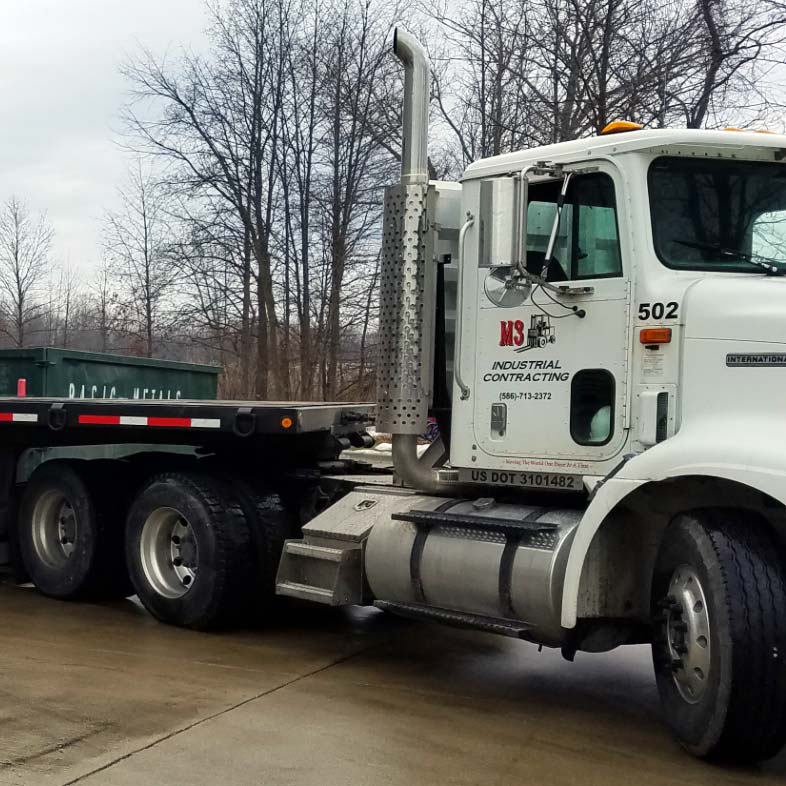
<point x="658" y="310"/>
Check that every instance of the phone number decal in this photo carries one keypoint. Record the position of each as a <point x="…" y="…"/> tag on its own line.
<point x="525" y="395"/>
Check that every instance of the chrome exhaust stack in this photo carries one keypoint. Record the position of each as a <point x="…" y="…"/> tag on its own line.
<point x="417" y="85"/>
<point x="408" y="285"/>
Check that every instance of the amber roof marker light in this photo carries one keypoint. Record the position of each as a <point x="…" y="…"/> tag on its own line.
<point x="620" y="127"/>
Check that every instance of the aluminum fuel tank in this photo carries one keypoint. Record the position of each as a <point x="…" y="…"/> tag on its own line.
<point x="487" y="569"/>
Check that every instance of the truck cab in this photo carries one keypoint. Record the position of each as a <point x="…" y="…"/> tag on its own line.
<point x="609" y="469"/>
<point x="660" y="310"/>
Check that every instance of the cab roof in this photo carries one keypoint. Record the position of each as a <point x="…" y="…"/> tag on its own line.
<point x="686" y="141"/>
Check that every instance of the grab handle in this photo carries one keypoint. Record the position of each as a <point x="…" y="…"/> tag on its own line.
<point x="460" y="307"/>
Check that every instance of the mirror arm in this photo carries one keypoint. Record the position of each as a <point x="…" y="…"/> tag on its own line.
<point x="555" y="226"/>
<point x="541" y="168"/>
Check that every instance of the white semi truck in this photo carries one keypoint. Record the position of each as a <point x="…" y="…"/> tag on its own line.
<point x="599" y="327"/>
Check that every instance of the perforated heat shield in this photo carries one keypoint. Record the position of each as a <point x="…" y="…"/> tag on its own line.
<point x="406" y="312"/>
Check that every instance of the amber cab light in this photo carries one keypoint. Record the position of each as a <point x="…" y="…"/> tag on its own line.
<point x="655" y="336"/>
<point x="620" y="127"/>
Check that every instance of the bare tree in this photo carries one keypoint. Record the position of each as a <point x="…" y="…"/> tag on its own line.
<point x="221" y="127"/>
<point x="67" y="295"/>
<point x="136" y="242"/>
<point x="25" y="244"/>
<point x="483" y="101"/>
<point x="356" y="168"/>
<point x="733" y="37"/>
<point x="549" y="70"/>
<point x="298" y="168"/>
<point x="104" y="305"/>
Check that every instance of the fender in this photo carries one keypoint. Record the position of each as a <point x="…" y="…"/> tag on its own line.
<point x="745" y="449"/>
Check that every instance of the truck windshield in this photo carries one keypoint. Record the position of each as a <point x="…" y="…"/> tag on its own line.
<point x="712" y="214"/>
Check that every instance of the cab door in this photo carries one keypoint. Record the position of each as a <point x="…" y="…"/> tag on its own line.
<point x="551" y="372"/>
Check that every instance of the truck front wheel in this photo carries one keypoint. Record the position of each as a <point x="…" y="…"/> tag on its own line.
<point x="719" y="647"/>
<point x="188" y="550"/>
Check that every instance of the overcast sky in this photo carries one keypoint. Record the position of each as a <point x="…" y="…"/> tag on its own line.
<point x="60" y="92"/>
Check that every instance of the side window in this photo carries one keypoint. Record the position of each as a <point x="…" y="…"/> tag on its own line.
<point x="587" y="244"/>
<point x="592" y="407"/>
<point x="768" y="235"/>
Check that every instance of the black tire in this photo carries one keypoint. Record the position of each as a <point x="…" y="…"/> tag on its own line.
<point x="219" y="543"/>
<point x="737" y="711"/>
<point x="91" y="563"/>
<point x="270" y="524"/>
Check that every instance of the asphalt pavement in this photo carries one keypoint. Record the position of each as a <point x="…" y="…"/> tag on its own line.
<point x="102" y="695"/>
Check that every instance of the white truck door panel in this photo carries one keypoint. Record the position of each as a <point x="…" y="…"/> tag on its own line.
<point x="546" y="383"/>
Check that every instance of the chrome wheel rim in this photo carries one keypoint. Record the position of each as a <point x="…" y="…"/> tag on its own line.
<point x="169" y="553"/>
<point x="688" y="634"/>
<point x="54" y="528"/>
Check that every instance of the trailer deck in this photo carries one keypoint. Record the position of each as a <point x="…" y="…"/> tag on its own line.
<point x="61" y="421"/>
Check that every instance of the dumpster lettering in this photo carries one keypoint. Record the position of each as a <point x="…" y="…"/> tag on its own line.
<point x="110" y="391"/>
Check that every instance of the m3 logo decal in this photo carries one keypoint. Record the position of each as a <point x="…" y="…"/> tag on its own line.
<point x="539" y="334"/>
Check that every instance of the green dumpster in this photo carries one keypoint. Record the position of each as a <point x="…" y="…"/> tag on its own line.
<point x="67" y="373"/>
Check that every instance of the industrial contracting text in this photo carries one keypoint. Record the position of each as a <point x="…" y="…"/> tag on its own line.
<point x="526" y="371"/>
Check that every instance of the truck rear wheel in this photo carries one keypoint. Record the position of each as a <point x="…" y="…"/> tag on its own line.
<point x="720" y="644"/>
<point x="270" y="524"/>
<point x="69" y="540"/>
<point x="188" y="551"/>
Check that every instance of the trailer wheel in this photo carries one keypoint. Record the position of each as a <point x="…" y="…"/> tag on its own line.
<point x="270" y="524"/>
<point x="66" y="539"/>
<point x="719" y="648"/>
<point x="188" y="551"/>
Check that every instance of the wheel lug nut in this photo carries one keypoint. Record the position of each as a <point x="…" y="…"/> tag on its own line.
<point x="176" y="540"/>
<point x="186" y="580"/>
<point x="177" y="561"/>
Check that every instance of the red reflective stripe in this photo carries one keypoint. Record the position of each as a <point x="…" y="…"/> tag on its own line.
<point x="6" y="417"/>
<point x="100" y="420"/>
<point x="171" y="422"/>
<point x="117" y="420"/>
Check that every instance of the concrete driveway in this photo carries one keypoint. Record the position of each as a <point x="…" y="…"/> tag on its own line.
<point x="105" y="696"/>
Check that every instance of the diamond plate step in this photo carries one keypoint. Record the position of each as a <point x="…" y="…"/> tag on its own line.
<point x="457" y="619"/>
<point x="435" y="518"/>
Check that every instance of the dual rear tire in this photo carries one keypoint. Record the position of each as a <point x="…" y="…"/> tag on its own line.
<point x="199" y="551"/>
<point x="188" y="551"/>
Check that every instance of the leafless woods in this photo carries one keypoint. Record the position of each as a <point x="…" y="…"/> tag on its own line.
<point x="248" y="230"/>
